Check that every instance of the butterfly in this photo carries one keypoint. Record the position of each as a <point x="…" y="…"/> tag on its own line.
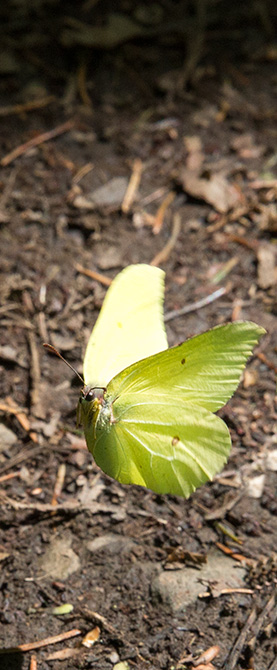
<point x="148" y="411"/>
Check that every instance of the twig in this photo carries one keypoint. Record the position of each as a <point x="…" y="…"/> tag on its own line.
<point x="77" y="306"/>
<point x="82" y="85"/>
<point x="35" y="141"/>
<point x="33" y="662"/>
<point x="18" y="321"/>
<point x="58" y="484"/>
<point x="159" y="218"/>
<point x="236" y="311"/>
<point x="229" y="592"/>
<point x="64" y="654"/>
<point x="195" y="46"/>
<point x="11" y="475"/>
<point x="66" y="506"/>
<point x="260" y="620"/>
<point x="82" y="172"/>
<point x="232" y="553"/>
<point x="4" y="407"/>
<point x="90" y="615"/>
<point x="8" y="306"/>
<point x="203" y="661"/>
<point x="23" y="455"/>
<point x="224" y="271"/>
<point x="208" y="655"/>
<point x="220" y="223"/>
<point x="152" y="197"/>
<point x="263" y="183"/>
<point x="226" y="531"/>
<point x="267" y="362"/>
<point x="8" y="190"/>
<point x="253" y="245"/>
<point x="220" y="512"/>
<point x="132" y="186"/>
<point x="34" y="368"/>
<point x="240" y="642"/>
<point x="42" y="327"/>
<point x="165" y="252"/>
<point x="29" y="646"/>
<point x="106" y="281"/>
<point x="22" y="419"/>
<point x="26" y="106"/>
<point x="193" y="307"/>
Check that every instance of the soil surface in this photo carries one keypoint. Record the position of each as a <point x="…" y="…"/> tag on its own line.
<point x="155" y="581"/>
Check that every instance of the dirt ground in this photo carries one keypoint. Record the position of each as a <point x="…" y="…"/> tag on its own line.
<point x="155" y="581"/>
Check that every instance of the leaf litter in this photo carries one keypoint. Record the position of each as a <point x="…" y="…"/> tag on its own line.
<point x="107" y="546"/>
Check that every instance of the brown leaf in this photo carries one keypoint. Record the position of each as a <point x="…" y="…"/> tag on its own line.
<point x="91" y="637"/>
<point x="267" y="275"/>
<point x="216" y="191"/>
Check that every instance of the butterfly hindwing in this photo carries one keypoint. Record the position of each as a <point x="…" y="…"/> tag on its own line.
<point x="167" y="448"/>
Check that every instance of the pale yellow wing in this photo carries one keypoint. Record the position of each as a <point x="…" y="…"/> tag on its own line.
<point x="130" y="324"/>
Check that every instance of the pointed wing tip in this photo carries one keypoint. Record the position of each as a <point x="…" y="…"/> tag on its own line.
<point x="251" y="325"/>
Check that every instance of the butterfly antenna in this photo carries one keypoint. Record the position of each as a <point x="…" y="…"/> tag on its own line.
<point x="55" y="351"/>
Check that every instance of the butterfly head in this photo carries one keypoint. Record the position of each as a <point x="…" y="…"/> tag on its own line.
<point x="91" y="393"/>
<point x="90" y="402"/>
<point x="93" y="408"/>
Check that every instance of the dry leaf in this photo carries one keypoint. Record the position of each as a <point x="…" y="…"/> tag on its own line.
<point x="250" y="378"/>
<point x="216" y="191"/>
<point x="91" y="637"/>
<point x="255" y="486"/>
<point x="271" y="461"/>
<point x="266" y="266"/>
<point x="207" y="656"/>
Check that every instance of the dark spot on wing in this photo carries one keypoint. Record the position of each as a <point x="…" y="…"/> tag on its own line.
<point x="175" y="440"/>
<point x="183" y="361"/>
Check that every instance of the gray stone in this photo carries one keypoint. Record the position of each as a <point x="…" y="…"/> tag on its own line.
<point x="7" y="437"/>
<point x="59" y="560"/>
<point x="112" y="543"/>
<point x="109" y="195"/>
<point x="180" y="588"/>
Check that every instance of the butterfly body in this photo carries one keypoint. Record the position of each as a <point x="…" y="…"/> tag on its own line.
<point x="152" y="423"/>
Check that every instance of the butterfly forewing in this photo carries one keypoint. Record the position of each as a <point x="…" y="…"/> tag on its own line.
<point x="130" y="325"/>
<point x="203" y="371"/>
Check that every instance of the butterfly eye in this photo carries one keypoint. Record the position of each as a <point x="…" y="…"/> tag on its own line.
<point x="89" y="395"/>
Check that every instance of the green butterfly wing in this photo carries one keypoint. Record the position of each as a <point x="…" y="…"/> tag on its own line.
<point x="167" y="448"/>
<point x="130" y="325"/>
<point x="204" y="371"/>
<point x="156" y="427"/>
